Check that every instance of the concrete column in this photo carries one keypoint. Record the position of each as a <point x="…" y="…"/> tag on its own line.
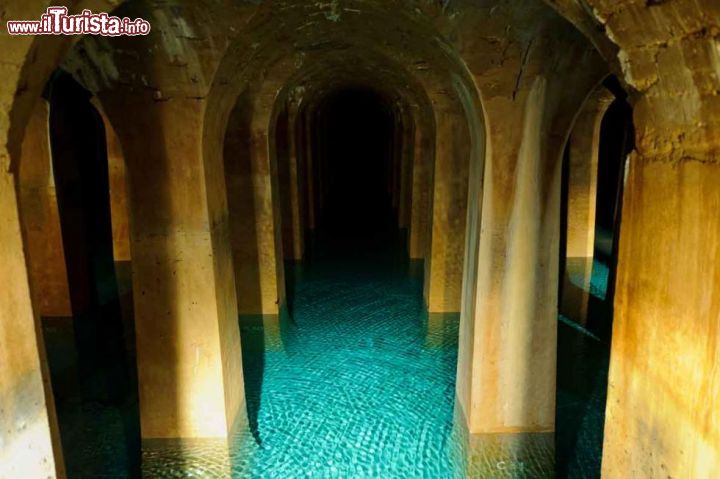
<point x="506" y="363"/>
<point x="118" y="195"/>
<point x="30" y="442"/>
<point x="119" y="201"/>
<point x="41" y="221"/>
<point x="310" y="169"/>
<point x="319" y="124"/>
<point x="446" y="247"/>
<point x="664" y="379"/>
<point x="254" y="210"/>
<point x="290" y="181"/>
<point x="120" y="222"/>
<point x="396" y="158"/>
<point x="584" y="145"/>
<point x="664" y="375"/>
<point x="500" y="455"/>
<point x="187" y="336"/>
<point x="423" y="160"/>
<point x="406" y="164"/>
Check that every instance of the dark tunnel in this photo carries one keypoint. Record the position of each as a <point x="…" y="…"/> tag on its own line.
<point x="354" y="144"/>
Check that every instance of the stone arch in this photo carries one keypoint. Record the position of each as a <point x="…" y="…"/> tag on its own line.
<point x="675" y="152"/>
<point x="448" y="293"/>
<point x="26" y="392"/>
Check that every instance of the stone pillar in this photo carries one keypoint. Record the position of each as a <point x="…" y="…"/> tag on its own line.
<point x="506" y="359"/>
<point x="309" y="168"/>
<point x="118" y="195"/>
<point x="30" y="442"/>
<point x="664" y="380"/>
<point x="507" y="351"/>
<point x="41" y="221"/>
<point x="396" y="157"/>
<point x="120" y="223"/>
<point x="419" y="227"/>
<point x="664" y="373"/>
<point x="187" y="335"/>
<point x="119" y="204"/>
<point x="446" y="248"/>
<point x="254" y="210"/>
<point x="406" y="164"/>
<point x="290" y="181"/>
<point x="584" y="145"/>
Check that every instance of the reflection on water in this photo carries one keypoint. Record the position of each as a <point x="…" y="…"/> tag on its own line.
<point x="599" y="276"/>
<point x="519" y="455"/>
<point x="441" y="329"/>
<point x="358" y="382"/>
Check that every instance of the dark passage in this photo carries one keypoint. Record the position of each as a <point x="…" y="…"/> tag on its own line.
<point x="95" y="387"/>
<point x="352" y="132"/>
<point x="354" y="145"/>
<point x="617" y="140"/>
<point x="583" y="359"/>
<point x="333" y="388"/>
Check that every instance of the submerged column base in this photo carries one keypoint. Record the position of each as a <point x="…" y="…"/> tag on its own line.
<point x="501" y="454"/>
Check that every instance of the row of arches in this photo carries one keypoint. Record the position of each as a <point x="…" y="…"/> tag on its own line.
<point x="183" y="260"/>
<point x="241" y="187"/>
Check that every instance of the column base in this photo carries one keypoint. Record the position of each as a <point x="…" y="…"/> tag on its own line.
<point x="501" y="454"/>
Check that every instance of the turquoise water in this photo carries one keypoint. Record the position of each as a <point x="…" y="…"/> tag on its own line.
<point x="359" y="386"/>
<point x="598" y="279"/>
<point x="354" y="380"/>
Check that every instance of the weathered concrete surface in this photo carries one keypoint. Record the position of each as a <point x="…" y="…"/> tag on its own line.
<point x="664" y="393"/>
<point x="27" y="64"/>
<point x="308" y="167"/>
<point x="41" y="221"/>
<point x="446" y="251"/>
<point x="508" y="330"/>
<point x="512" y="383"/>
<point x="188" y="343"/>
<point x="423" y="161"/>
<point x="31" y="445"/>
<point x="30" y="442"/>
<point x="583" y="147"/>
<point x="664" y="383"/>
<point x="119" y="200"/>
<point x="668" y="52"/>
<point x="254" y="210"/>
<point x="405" y="146"/>
<point x="290" y="182"/>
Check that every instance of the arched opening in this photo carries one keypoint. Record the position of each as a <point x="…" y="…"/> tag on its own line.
<point x="594" y="165"/>
<point x="617" y="140"/>
<point x="533" y="61"/>
<point x="358" y="350"/>
<point x="90" y="343"/>
<point x="338" y="167"/>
